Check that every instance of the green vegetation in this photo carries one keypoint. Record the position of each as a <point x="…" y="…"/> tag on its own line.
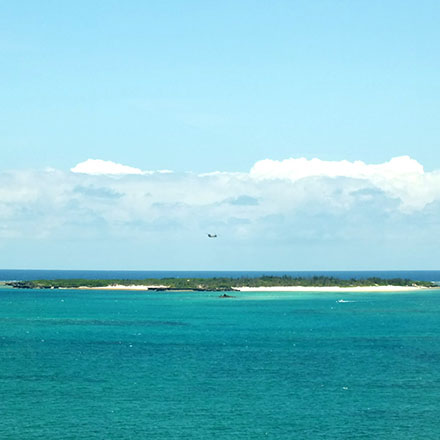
<point x="221" y="284"/>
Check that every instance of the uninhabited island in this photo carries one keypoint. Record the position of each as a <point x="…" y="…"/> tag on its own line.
<point x="229" y="284"/>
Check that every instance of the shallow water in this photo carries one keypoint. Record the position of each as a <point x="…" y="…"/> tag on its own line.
<point x="127" y="365"/>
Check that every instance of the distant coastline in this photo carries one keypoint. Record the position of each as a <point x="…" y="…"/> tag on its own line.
<point x="141" y="288"/>
<point x="243" y="284"/>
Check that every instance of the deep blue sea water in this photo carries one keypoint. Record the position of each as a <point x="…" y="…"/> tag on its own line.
<point x="130" y="365"/>
<point x="5" y="274"/>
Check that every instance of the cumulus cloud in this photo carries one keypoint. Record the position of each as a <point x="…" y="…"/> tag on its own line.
<point x="401" y="177"/>
<point x="277" y="203"/>
<point x="98" y="167"/>
<point x="295" y="169"/>
<point x="104" y="167"/>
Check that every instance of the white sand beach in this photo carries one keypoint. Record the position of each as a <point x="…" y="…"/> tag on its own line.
<point x="122" y="287"/>
<point x="135" y="287"/>
<point x="331" y="289"/>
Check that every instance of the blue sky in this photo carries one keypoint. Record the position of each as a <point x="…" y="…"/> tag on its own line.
<point x="200" y="86"/>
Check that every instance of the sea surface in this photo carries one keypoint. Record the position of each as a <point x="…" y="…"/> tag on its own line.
<point x="28" y="275"/>
<point x="137" y="365"/>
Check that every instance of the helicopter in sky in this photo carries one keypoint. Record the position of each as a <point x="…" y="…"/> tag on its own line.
<point x="212" y="235"/>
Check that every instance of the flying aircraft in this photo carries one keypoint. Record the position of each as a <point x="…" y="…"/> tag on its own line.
<point x="212" y="235"/>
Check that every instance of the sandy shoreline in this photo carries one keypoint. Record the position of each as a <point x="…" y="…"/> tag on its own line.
<point x="122" y="287"/>
<point x="332" y="289"/>
<point x="274" y="289"/>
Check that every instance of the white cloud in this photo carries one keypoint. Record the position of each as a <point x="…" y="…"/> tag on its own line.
<point x="276" y="202"/>
<point x="104" y="167"/>
<point x="295" y="169"/>
<point x="401" y="177"/>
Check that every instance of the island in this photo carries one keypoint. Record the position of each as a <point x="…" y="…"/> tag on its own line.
<point x="227" y="284"/>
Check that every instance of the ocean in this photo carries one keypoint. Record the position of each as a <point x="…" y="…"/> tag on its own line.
<point x="132" y="365"/>
<point x="18" y="275"/>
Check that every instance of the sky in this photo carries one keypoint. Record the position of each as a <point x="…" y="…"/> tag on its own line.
<point x="305" y="134"/>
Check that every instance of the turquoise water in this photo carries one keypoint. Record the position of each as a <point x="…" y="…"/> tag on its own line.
<point x="119" y="365"/>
